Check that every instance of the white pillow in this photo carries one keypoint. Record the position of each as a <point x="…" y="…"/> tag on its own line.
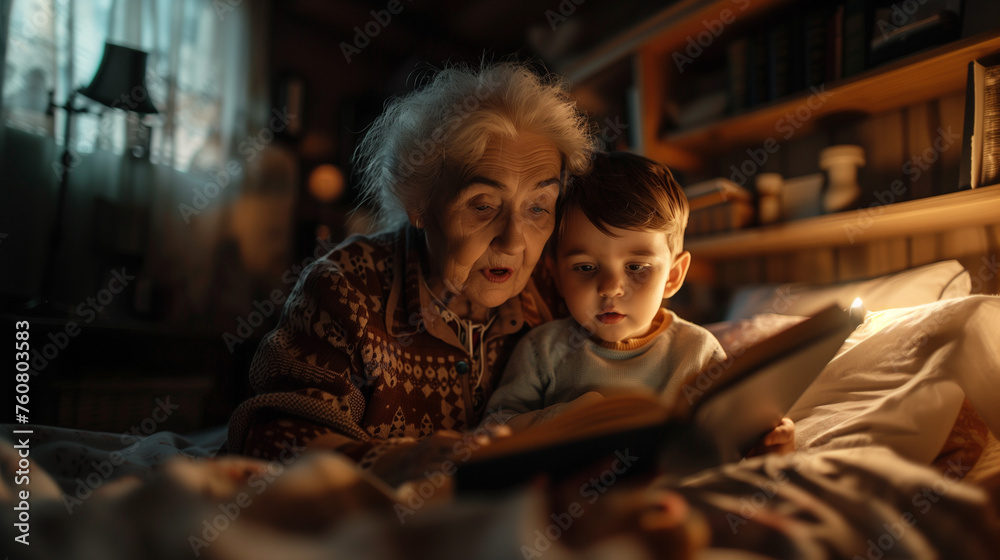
<point x="900" y="379"/>
<point x="917" y="286"/>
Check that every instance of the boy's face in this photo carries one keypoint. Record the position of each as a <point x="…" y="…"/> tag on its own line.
<point x="614" y="286"/>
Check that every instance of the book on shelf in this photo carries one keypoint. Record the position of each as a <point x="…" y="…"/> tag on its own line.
<point x="855" y="40"/>
<point x="980" y="165"/>
<point x="718" y="205"/>
<point x="716" y="416"/>
<point x="813" y="40"/>
<point x="898" y="32"/>
<point x="779" y="52"/>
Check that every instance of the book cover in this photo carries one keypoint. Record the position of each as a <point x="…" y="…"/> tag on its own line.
<point x="814" y="46"/>
<point x="855" y="37"/>
<point x="736" y="69"/>
<point x="779" y="59"/>
<point x="980" y="165"/>
<point x="716" y="416"/>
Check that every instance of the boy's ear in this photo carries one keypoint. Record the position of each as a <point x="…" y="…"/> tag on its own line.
<point x="678" y="271"/>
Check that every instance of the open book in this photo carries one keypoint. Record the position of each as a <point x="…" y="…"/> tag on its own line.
<point x="717" y="416"/>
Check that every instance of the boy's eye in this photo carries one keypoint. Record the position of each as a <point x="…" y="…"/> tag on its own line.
<point x="584" y="268"/>
<point x="637" y="268"/>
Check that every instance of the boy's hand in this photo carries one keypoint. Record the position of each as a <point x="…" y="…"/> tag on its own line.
<point x="526" y="420"/>
<point x="780" y="440"/>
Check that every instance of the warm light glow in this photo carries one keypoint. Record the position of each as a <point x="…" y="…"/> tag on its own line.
<point x="857" y="312"/>
<point x="326" y="183"/>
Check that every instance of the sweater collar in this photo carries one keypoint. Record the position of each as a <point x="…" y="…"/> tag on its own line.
<point x="660" y="322"/>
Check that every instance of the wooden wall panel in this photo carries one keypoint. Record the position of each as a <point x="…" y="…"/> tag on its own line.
<point x="923" y="249"/>
<point x="852" y="262"/>
<point x="919" y="121"/>
<point x="815" y="267"/>
<point x="951" y="110"/>
<point x="777" y="268"/>
<point x="881" y="136"/>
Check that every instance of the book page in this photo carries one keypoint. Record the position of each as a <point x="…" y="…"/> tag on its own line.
<point x="977" y="128"/>
<point x="613" y="414"/>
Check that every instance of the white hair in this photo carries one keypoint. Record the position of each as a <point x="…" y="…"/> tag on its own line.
<point x="448" y="122"/>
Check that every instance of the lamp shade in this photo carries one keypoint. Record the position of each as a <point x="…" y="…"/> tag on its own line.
<point x="120" y="80"/>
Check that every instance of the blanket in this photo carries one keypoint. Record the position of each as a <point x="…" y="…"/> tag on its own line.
<point x="858" y="488"/>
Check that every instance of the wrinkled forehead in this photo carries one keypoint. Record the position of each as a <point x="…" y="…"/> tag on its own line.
<point x="527" y="161"/>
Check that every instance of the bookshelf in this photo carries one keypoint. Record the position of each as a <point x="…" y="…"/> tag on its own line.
<point x="925" y="76"/>
<point x="963" y="209"/>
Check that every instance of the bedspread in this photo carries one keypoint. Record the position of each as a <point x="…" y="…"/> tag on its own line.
<point x="858" y="488"/>
<point x="864" y="502"/>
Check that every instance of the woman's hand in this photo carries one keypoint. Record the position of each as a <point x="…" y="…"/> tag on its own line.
<point x="780" y="440"/>
<point x="407" y="462"/>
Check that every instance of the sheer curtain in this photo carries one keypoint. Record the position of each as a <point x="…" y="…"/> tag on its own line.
<point x="155" y="194"/>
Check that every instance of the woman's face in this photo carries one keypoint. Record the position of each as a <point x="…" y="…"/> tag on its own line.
<point x="486" y="230"/>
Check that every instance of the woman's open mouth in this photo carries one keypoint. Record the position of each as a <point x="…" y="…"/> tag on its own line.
<point x="610" y="318"/>
<point x="498" y="275"/>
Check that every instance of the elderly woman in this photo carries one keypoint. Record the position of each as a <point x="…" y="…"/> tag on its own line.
<point x="393" y="341"/>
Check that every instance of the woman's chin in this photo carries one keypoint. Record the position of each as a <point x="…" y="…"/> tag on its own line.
<point x="490" y="295"/>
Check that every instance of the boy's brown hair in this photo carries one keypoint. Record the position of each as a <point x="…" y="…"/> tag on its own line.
<point x="628" y="191"/>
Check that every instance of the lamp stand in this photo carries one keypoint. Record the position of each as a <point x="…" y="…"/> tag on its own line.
<point x="56" y="231"/>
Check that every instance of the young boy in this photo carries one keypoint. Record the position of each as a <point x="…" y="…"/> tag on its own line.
<point x="619" y="254"/>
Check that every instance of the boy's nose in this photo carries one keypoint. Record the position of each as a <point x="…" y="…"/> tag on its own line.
<point x="611" y="285"/>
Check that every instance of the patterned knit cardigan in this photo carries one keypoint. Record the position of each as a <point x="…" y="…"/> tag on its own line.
<point x="361" y="350"/>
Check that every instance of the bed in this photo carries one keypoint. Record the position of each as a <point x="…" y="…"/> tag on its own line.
<point x="897" y="459"/>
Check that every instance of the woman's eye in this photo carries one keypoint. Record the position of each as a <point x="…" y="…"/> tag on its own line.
<point x="584" y="268"/>
<point x="539" y="210"/>
<point x="483" y="207"/>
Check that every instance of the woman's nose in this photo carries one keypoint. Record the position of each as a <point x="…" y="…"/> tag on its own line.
<point x="510" y="239"/>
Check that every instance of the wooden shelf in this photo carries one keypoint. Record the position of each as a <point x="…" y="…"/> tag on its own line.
<point x="667" y="29"/>
<point x="922" y="77"/>
<point x="975" y="207"/>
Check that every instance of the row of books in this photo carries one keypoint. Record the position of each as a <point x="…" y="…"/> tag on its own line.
<point x="718" y="206"/>
<point x="808" y="46"/>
